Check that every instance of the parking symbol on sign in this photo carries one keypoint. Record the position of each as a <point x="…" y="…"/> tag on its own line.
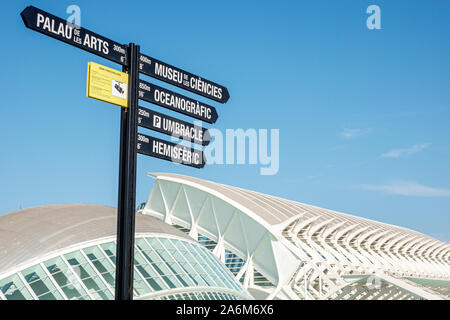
<point x="157" y="121"/>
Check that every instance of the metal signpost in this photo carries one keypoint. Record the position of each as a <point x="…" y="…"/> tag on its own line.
<point x="132" y="116"/>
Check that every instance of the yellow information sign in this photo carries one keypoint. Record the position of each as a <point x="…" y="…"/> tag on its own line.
<point x="107" y="84"/>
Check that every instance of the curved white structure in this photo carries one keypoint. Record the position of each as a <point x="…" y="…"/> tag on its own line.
<point x="284" y="249"/>
<point x="67" y="252"/>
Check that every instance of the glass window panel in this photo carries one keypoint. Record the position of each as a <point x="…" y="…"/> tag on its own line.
<point x="161" y="268"/>
<point x="153" y="257"/>
<point x="156" y="283"/>
<point x="238" y="265"/>
<point x="163" y="255"/>
<point x="14" y="289"/>
<point x="195" y="272"/>
<point x="216" y="296"/>
<point x="139" y="284"/>
<point x="148" y="273"/>
<point x="110" y="250"/>
<point x="47" y="296"/>
<point x="40" y="283"/>
<point x="97" y="289"/>
<point x="198" y="296"/>
<point x="177" y="255"/>
<point x="189" y="263"/>
<point x="194" y="276"/>
<point x="65" y="278"/>
<point x="88" y="275"/>
<point x="203" y="268"/>
<point x="178" y="272"/>
<point x="140" y="287"/>
<point x="171" y="281"/>
<point x="205" y="296"/>
<point x="178" y="244"/>
<point x="223" y="272"/>
<point x="186" y="252"/>
<point x="194" y="263"/>
<point x="109" y="277"/>
<point x="182" y="275"/>
<point x="155" y="243"/>
<point x="168" y="243"/>
<point x="142" y="243"/>
<point x="210" y="265"/>
<point x="80" y="265"/>
<point x="101" y="263"/>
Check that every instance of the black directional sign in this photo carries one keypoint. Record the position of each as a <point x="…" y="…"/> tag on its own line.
<point x="55" y="27"/>
<point x="173" y="127"/>
<point x="183" y="79"/>
<point x="169" y="151"/>
<point x="176" y="102"/>
<point x="132" y="142"/>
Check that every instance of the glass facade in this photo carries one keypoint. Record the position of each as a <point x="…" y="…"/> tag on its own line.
<point x="164" y="268"/>
<point x="233" y="262"/>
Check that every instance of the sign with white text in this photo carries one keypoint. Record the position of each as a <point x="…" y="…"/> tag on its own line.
<point x="173" y="127"/>
<point x="55" y="27"/>
<point x="182" y="79"/>
<point x="176" y="102"/>
<point x="169" y="151"/>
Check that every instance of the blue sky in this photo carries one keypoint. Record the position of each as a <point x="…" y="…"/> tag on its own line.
<point x="363" y="114"/>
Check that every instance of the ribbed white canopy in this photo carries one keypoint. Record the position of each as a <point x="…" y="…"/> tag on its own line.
<point x="36" y="231"/>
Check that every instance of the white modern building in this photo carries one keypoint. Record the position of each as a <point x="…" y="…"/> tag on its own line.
<point x="64" y="252"/>
<point x="282" y="249"/>
<point x="197" y="239"/>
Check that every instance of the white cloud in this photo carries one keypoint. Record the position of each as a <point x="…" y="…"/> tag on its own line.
<point x="396" y="153"/>
<point x="354" y="133"/>
<point x="408" y="188"/>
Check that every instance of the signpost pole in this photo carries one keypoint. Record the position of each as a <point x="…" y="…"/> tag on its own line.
<point x="134" y="63"/>
<point x="127" y="183"/>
